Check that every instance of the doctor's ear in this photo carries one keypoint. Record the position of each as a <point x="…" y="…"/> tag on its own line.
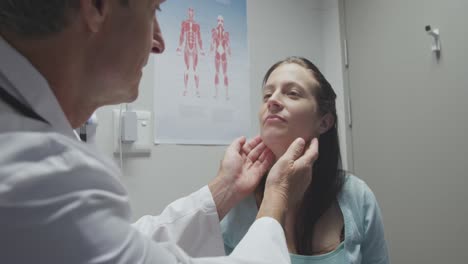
<point x="326" y="122"/>
<point x="94" y="13"/>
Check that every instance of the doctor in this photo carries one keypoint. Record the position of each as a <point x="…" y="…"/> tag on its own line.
<point x="61" y="202"/>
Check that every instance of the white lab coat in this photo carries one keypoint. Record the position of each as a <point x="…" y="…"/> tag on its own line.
<point x="61" y="202"/>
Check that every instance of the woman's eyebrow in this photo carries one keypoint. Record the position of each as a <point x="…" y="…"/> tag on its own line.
<point x="268" y="87"/>
<point x="290" y="84"/>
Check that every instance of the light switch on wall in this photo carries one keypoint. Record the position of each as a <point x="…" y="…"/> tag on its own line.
<point x="143" y="143"/>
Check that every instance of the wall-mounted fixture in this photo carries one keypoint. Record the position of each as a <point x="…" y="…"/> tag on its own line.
<point x="436" y="35"/>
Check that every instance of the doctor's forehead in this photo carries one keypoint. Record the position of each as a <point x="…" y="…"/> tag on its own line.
<point x="151" y="2"/>
<point x="158" y="1"/>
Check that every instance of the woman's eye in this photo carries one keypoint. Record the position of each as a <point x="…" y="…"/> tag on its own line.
<point x="293" y="93"/>
<point x="266" y="96"/>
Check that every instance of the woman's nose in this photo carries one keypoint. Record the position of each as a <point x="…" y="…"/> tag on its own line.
<point x="158" y="40"/>
<point x="274" y="103"/>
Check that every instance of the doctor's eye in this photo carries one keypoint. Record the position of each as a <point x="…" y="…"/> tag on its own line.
<point x="156" y="9"/>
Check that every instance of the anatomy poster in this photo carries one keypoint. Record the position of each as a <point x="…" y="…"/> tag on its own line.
<point x="201" y="92"/>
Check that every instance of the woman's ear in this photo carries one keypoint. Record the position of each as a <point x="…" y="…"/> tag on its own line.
<point x="326" y="122"/>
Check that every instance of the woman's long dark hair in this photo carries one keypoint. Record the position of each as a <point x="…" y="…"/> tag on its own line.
<point x="327" y="173"/>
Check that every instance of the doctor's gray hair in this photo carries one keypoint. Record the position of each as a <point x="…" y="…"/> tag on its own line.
<point x="36" y="19"/>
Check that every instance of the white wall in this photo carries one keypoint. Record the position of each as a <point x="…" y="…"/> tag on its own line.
<point x="276" y="29"/>
<point x="332" y="66"/>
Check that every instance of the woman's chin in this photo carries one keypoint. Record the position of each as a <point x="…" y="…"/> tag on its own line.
<point x="278" y="145"/>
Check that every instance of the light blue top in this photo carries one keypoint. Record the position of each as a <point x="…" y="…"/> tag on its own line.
<point x="337" y="256"/>
<point x="364" y="233"/>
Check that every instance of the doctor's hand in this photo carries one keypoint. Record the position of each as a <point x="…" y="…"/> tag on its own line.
<point x="243" y="166"/>
<point x="288" y="179"/>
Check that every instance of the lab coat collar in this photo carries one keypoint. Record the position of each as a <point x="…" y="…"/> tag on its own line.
<point x="30" y="87"/>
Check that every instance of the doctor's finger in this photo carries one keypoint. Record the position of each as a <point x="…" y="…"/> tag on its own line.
<point x="310" y="154"/>
<point x="251" y="144"/>
<point x="295" y="150"/>
<point x="265" y="161"/>
<point x="267" y="155"/>
<point x="256" y="152"/>
<point x="237" y="144"/>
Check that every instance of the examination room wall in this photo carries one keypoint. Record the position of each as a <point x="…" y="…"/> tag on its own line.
<point x="410" y="122"/>
<point x="276" y="29"/>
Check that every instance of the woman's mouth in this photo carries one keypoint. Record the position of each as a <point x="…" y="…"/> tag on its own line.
<point x="274" y="119"/>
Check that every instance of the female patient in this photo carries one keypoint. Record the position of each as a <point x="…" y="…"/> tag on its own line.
<point x="338" y="219"/>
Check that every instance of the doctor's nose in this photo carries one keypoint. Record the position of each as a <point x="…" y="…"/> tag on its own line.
<point x="158" y="44"/>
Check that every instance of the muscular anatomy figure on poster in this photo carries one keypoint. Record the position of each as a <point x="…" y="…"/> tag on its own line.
<point x="221" y="47"/>
<point x="190" y="42"/>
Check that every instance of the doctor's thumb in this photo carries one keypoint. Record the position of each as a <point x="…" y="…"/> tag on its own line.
<point x="295" y="150"/>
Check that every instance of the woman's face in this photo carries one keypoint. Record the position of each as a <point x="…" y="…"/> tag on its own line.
<point x="289" y="109"/>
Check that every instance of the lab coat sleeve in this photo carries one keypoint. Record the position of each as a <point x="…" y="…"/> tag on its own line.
<point x="191" y="222"/>
<point x="60" y="204"/>
<point x="264" y="243"/>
